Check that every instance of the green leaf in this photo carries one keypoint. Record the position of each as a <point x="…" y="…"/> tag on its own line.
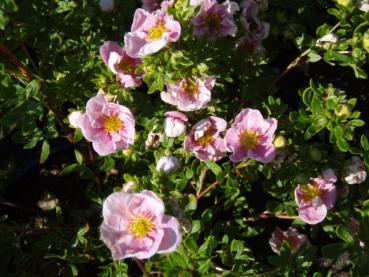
<point x="364" y="142"/>
<point x="207" y="247"/>
<point x="79" y="156"/>
<point x="70" y="169"/>
<point x="344" y="234"/>
<point x="314" y="57"/>
<point x="357" y="122"/>
<point x="190" y="245"/>
<point x="45" y="151"/>
<point x="342" y="144"/>
<point x="216" y="169"/>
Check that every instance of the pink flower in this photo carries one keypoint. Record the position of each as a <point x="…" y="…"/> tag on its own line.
<point x="150" y="32"/>
<point x="215" y="20"/>
<point x="256" y="29"/>
<point x="251" y="136"/>
<point x="250" y="11"/>
<point x="121" y="64"/>
<point x="174" y="124"/>
<point x="151" y="5"/>
<point x="316" y="198"/>
<point x="204" y="141"/>
<point x="135" y="226"/>
<point x="189" y="95"/>
<point x="110" y="126"/>
<point x="295" y="239"/>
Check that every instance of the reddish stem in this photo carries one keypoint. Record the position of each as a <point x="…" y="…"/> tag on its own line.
<point x="15" y="60"/>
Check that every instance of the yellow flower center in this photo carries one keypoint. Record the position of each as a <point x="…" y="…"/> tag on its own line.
<point x="206" y="139"/>
<point x="156" y="31"/>
<point x="311" y="191"/>
<point x="213" y="21"/>
<point x="190" y="87"/>
<point x="112" y="123"/>
<point x="250" y="138"/>
<point x="141" y="226"/>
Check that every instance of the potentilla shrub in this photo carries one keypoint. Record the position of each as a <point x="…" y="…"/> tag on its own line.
<point x="197" y="163"/>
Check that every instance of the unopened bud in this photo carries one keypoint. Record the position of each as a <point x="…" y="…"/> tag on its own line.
<point x="344" y="3"/>
<point x="343" y="110"/>
<point x="280" y="142"/>
<point x="366" y="41"/>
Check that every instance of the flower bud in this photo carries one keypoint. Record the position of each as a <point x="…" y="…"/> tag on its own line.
<point x="343" y="110"/>
<point x="168" y="165"/>
<point x="153" y="140"/>
<point x="327" y="41"/>
<point x="128" y="152"/>
<point x="344" y="3"/>
<point x="280" y="142"/>
<point x="174" y="124"/>
<point x="130" y="187"/>
<point x="366" y="41"/>
<point x="106" y="5"/>
<point x="47" y="201"/>
<point x="74" y="118"/>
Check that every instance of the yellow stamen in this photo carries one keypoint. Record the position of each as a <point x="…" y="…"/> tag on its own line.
<point x="141" y="226"/>
<point x="311" y="191"/>
<point x="190" y="87"/>
<point x="156" y="31"/>
<point x="126" y="66"/>
<point x="112" y="123"/>
<point x="206" y="139"/>
<point x="250" y="138"/>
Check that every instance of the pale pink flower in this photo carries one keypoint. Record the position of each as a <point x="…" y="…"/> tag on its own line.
<point x="174" y="124"/>
<point x="124" y="66"/>
<point x="215" y="20"/>
<point x="355" y="172"/>
<point x="196" y="2"/>
<point x="109" y="126"/>
<point x="295" y="239"/>
<point x="316" y="198"/>
<point x="189" y="95"/>
<point x="150" y="32"/>
<point x="74" y="118"/>
<point x="204" y="140"/>
<point x="251" y="136"/>
<point x="135" y="226"/>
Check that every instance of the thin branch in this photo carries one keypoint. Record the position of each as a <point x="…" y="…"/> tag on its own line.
<point x="205" y="191"/>
<point x="297" y="61"/>
<point x="267" y="215"/>
<point x="201" y="181"/>
<point x="12" y="58"/>
<point x="5" y="202"/>
<point x="141" y="265"/>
